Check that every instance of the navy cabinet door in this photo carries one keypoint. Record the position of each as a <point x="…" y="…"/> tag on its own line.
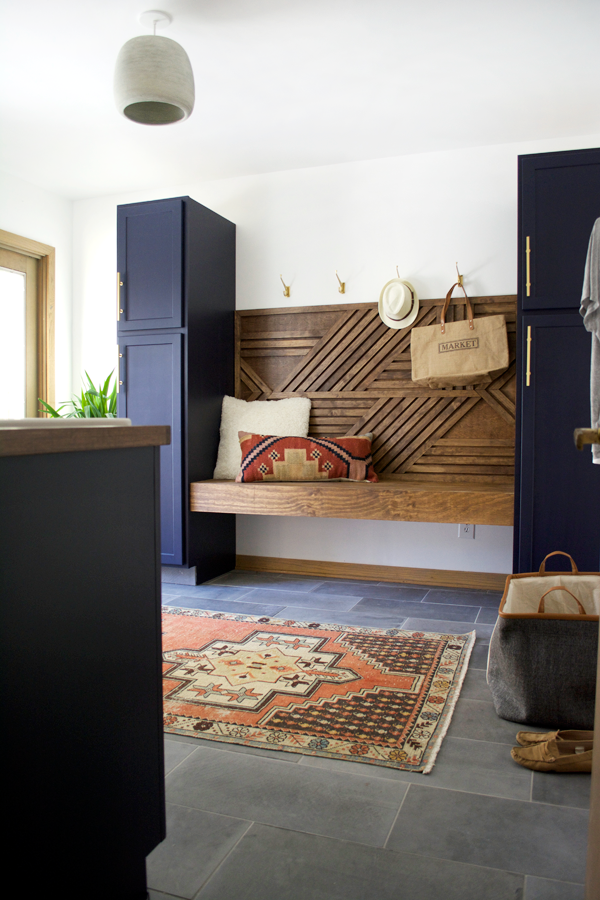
<point x="151" y="395"/>
<point x="559" y="203"/>
<point x="559" y="485"/>
<point x="149" y="263"/>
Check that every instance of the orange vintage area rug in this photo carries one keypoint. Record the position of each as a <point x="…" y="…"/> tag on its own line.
<point x="382" y="696"/>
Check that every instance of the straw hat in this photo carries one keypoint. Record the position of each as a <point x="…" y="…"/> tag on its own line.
<point x="398" y="304"/>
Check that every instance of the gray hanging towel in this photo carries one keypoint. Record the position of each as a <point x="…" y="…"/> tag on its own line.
<point x="590" y="310"/>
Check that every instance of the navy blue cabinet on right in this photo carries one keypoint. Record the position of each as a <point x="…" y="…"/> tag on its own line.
<point x="557" y="497"/>
<point x="176" y="272"/>
<point x="559" y="201"/>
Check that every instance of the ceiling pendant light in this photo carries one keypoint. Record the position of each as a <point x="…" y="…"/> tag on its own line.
<point x="154" y="82"/>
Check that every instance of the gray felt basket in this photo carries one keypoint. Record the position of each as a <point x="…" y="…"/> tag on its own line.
<point x="544" y="647"/>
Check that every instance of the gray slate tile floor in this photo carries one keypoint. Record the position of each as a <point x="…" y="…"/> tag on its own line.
<point x="251" y="824"/>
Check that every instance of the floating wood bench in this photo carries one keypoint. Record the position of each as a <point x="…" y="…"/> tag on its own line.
<point x="443" y="455"/>
<point x="389" y="499"/>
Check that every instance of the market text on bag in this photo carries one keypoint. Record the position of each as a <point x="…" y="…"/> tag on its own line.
<point x="468" y="344"/>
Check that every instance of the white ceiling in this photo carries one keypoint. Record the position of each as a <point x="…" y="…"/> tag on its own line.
<point x="286" y="84"/>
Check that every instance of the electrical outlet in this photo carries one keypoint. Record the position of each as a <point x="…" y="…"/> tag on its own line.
<point x="466" y="531"/>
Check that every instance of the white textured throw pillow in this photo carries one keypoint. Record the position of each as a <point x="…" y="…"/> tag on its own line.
<point x="283" y="418"/>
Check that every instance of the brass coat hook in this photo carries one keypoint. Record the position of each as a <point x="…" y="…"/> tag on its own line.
<point x="286" y="292"/>
<point x="342" y="287"/>
<point x="459" y="276"/>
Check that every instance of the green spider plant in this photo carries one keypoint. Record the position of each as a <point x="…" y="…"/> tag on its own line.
<point x="91" y="404"/>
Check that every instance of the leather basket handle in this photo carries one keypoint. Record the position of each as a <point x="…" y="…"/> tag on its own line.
<point x="447" y="304"/>
<point x="541" y="607"/>
<point x="574" y="568"/>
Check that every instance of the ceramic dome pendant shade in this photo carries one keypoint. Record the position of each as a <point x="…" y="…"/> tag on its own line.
<point x="154" y="82"/>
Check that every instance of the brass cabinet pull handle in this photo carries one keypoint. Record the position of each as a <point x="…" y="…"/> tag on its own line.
<point x="528" y="266"/>
<point x="119" y="286"/>
<point x="528" y="369"/>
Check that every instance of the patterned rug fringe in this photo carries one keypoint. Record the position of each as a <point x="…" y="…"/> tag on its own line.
<point x="435" y="749"/>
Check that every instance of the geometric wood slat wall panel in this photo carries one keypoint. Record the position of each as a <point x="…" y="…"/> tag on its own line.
<point x="357" y="373"/>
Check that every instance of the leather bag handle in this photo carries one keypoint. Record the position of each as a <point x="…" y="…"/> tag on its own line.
<point x="541" y="607"/>
<point x="574" y="568"/>
<point x="447" y="304"/>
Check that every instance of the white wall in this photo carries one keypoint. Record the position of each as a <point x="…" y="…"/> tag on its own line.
<point x="423" y="545"/>
<point x="32" y="212"/>
<point x="421" y="212"/>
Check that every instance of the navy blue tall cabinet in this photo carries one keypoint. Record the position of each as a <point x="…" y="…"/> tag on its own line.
<point x="557" y="498"/>
<point x="175" y="327"/>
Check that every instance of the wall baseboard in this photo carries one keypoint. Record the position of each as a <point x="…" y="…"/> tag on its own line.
<point x="487" y="581"/>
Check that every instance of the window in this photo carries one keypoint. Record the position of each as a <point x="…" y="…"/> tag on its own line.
<point x="26" y="326"/>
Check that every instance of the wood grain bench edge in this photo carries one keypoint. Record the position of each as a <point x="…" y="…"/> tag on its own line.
<point x="388" y="501"/>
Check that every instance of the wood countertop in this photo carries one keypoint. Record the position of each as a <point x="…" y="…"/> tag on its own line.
<point x="29" y="441"/>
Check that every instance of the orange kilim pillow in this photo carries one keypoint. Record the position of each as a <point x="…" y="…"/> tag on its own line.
<point x="269" y="458"/>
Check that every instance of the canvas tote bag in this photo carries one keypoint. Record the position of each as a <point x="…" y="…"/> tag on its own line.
<point x="459" y="353"/>
<point x="543" y="651"/>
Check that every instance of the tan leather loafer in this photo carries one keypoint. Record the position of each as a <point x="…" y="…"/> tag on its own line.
<point x="555" y="756"/>
<point x="531" y="738"/>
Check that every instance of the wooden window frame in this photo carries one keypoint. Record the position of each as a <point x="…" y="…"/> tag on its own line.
<point x="45" y="254"/>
